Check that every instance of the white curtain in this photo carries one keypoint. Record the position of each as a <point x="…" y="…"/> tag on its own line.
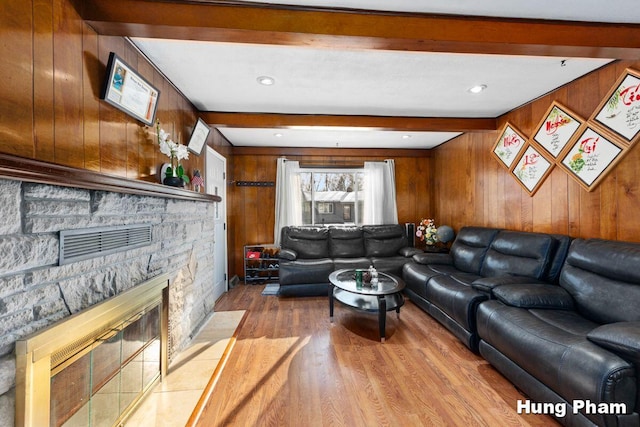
<point x="380" y="193"/>
<point x="288" y="196"/>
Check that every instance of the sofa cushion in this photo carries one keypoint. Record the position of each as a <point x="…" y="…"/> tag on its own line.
<point x="622" y="338"/>
<point x="416" y="277"/>
<point x="383" y="240"/>
<point x="552" y="346"/>
<point x="305" y="271"/>
<point x="518" y="253"/>
<point x="346" y="242"/>
<point x="460" y="276"/>
<point x="603" y="278"/>
<point x="458" y="300"/>
<point x="308" y="242"/>
<point x="534" y="296"/>
<point x="470" y="247"/>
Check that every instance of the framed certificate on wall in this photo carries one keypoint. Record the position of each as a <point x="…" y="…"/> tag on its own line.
<point x="128" y="91"/>
<point x="508" y="145"/>
<point x="556" y="129"/>
<point x="619" y="111"/>
<point x="590" y="155"/>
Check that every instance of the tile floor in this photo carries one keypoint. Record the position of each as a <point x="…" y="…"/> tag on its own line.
<point x="171" y="402"/>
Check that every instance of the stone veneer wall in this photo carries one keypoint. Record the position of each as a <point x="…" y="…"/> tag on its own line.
<point x="35" y="291"/>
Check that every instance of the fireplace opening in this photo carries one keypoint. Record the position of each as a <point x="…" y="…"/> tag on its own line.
<point x="92" y="368"/>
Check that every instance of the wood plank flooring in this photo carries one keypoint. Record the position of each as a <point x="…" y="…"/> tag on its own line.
<point x="292" y="367"/>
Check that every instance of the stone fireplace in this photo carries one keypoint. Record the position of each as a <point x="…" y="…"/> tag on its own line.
<point x="35" y="291"/>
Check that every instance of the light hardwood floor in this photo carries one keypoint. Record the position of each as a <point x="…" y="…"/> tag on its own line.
<point x="291" y="367"/>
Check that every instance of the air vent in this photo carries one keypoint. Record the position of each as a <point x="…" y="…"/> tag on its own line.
<point x="77" y="245"/>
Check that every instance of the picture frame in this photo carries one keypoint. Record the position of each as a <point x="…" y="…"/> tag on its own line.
<point x="556" y="129"/>
<point x="198" y="137"/>
<point x="590" y="156"/>
<point x="508" y="145"/>
<point x="619" y="111"/>
<point x="531" y="168"/>
<point x="129" y="92"/>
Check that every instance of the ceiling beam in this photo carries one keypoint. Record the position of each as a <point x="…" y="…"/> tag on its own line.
<point x="228" y="22"/>
<point x="415" y="124"/>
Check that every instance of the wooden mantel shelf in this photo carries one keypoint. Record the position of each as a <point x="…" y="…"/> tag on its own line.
<point x="23" y="169"/>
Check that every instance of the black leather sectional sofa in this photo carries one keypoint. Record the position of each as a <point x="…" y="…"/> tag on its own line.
<point x="308" y="255"/>
<point x="559" y="318"/>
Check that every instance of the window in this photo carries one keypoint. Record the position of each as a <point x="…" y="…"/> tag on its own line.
<point x="324" y="207"/>
<point x="332" y="196"/>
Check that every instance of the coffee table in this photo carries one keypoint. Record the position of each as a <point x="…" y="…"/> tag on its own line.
<point x="385" y="297"/>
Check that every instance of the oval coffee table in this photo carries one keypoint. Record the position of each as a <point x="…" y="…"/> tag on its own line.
<point x="385" y="297"/>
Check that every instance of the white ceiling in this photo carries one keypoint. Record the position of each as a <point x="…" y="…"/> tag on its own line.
<point x="222" y="77"/>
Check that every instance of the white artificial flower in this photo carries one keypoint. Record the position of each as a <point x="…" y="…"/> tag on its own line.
<point x="165" y="148"/>
<point x="181" y="152"/>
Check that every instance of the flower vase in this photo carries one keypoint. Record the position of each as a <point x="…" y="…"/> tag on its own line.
<point x="173" y="180"/>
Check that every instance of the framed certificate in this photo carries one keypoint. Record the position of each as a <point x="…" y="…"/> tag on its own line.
<point x="129" y="92"/>
<point x="619" y="112"/>
<point x="556" y="129"/>
<point x="590" y="155"/>
<point x="508" y="145"/>
<point x="531" y="168"/>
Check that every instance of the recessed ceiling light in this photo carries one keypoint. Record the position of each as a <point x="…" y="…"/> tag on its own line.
<point x="406" y="136"/>
<point x="277" y="135"/>
<point x="477" y="88"/>
<point x="266" y="80"/>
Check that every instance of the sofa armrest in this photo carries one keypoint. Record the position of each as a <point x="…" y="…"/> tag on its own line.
<point x="431" y="258"/>
<point x="288" y="254"/>
<point x="622" y="338"/>
<point x="486" y="284"/>
<point x="408" y="251"/>
<point x="534" y="295"/>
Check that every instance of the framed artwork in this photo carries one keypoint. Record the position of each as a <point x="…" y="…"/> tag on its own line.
<point x="589" y="156"/>
<point x="128" y="91"/>
<point x="556" y="129"/>
<point x="198" y="137"/>
<point x="531" y="168"/>
<point x="619" y="112"/>
<point x="508" y="145"/>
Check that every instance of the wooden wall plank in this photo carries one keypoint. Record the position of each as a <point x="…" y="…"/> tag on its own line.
<point x="92" y="77"/>
<point x="16" y="90"/>
<point x="43" y="115"/>
<point x="67" y="84"/>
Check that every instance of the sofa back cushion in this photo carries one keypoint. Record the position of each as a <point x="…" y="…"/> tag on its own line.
<point x="603" y="277"/>
<point x="470" y="247"/>
<point x="346" y="242"/>
<point x="519" y="253"/>
<point x="384" y="240"/>
<point x="308" y="242"/>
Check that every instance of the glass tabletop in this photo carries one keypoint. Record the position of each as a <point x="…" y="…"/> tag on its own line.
<point x="346" y="280"/>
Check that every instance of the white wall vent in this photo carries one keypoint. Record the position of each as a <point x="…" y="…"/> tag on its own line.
<point x="81" y="244"/>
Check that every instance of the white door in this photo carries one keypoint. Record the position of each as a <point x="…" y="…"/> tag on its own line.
<point x="216" y="183"/>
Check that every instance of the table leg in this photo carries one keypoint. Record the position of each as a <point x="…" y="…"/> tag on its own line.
<point x="331" y="303"/>
<point x="382" y="315"/>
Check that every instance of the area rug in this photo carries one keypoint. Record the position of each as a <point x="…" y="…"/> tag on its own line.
<point x="271" y="289"/>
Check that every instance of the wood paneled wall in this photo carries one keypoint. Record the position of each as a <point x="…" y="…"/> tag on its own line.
<point x="53" y="66"/>
<point x="472" y="188"/>
<point x="252" y="209"/>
